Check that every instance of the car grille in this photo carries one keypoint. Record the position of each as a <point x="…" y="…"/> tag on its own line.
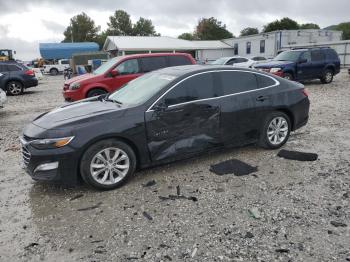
<point x="25" y="152"/>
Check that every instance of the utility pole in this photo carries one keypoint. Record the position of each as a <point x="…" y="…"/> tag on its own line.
<point x="71" y="32"/>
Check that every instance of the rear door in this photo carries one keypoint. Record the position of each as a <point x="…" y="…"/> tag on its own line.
<point x="238" y="113"/>
<point x="128" y="70"/>
<point x="318" y="63"/>
<point x="188" y="122"/>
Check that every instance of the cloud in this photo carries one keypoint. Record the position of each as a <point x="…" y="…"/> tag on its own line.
<point x="53" y="26"/>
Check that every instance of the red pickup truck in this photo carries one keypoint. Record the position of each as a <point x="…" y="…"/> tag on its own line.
<point x="118" y="71"/>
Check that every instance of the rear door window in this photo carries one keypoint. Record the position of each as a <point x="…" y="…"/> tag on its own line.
<point x="13" y="68"/>
<point x="128" y="67"/>
<point x="317" y="56"/>
<point x="195" y="88"/>
<point x="233" y="82"/>
<point x="179" y="60"/>
<point x="153" y="63"/>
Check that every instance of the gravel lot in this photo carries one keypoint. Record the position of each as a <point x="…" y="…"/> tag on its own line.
<point x="287" y="211"/>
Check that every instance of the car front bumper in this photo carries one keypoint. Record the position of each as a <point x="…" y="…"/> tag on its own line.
<point x="50" y="165"/>
<point x="72" y="95"/>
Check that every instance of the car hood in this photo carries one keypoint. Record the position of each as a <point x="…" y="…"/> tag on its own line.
<point x="273" y="63"/>
<point x="80" y="78"/>
<point x="71" y="115"/>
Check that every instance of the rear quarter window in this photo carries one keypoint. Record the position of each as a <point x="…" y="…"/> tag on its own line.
<point x="264" y="81"/>
<point x="179" y="60"/>
<point x="233" y="82"/>
<point x="332" y="55"/>
<point x="153" y="63"/>
<point x="317" y="56"/>
<point x="13" y="68"/>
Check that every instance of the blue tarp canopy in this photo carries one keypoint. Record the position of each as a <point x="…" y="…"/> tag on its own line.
<point x="65" y="50"/>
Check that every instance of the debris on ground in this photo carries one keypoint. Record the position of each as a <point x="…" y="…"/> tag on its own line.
<point x="338" y="224"/>
<point x="90" y="208"/>
<point x="194" y="252"/>
<point x="76" y="197"/>
<point x="150" y="183"/>
<point x="233" y="166"/>
<point x="33" y="244"/>
<point x="282" y="250"/>
<point x="249" y="235"/>
<point x="299" y="156"/>
<point x="146" y="215"/>
<point x="255" y="213"/>
<point x="178" y="190"/>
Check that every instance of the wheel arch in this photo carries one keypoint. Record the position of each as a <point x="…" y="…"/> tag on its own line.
<point x="95" y="87"/>
<point x="106" y="137"/>
<point x="290" y="114"/>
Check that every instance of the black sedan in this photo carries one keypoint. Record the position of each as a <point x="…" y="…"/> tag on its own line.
<point x="166" y="115"/>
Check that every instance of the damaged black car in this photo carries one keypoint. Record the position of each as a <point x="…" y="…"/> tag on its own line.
<point x="166" y="115"/>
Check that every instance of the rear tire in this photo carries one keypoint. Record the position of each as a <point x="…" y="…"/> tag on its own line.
<point x="54" y="72"/>
<point x="96" y="92"/>
<point x="275" y="130"/>
<point x="14" y="88"/>
<point x="327" y="77"/>
<point x="108" y="164"/>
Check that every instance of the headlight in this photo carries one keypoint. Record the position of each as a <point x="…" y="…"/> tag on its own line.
<point x="74" y="86"/>
<point x="275" y="69"/>
<point x="51" y="143"/>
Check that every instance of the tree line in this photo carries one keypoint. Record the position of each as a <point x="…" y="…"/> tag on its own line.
<point x="83" y="29"/>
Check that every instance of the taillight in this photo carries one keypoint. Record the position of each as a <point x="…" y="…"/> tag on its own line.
<point x="305" y="92"/>
<point x="29" y="73"/>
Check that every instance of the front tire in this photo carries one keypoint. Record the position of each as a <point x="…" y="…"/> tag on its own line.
<point x="95" y="92"/>
<point x="288" y="76"/>
<point x="14" y="88"/>
<point x="108" y="164"/>
<point x="327" y="77"/>
<point x="275" y="130"/>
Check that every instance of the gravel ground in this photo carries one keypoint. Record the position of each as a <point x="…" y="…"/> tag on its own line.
<point x="286" y="211"/>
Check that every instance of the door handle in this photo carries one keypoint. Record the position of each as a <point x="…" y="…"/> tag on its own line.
<point x="262" y="98"/>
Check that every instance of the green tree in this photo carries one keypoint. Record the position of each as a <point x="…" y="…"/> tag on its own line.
<point x="101" y="39"/>
<point x="81" y="29"/>
<point x="309" y="26"/>
<point x="345" y="28"/>
<point x="186" y="36"/>
<point x="211" y="29"/>
<point x="249" y="31"/>
<point x="144" y="27"/>
<point x="283" y="24"/>
<point x="120" y="24"/>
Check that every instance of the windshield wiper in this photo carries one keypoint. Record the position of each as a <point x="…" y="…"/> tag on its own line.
<point x="114" y="101"/>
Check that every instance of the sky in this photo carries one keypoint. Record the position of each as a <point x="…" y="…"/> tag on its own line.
<point x="25" y="24"/>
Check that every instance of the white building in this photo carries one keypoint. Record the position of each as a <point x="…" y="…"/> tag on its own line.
<point x="201" y="50"/>
<point x="264" y="44"/>
<point x="268" y="44"/>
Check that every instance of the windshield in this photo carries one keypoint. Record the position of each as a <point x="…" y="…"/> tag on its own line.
<point x="220" y="61"/>
<point x="141" y="89"/>
<point x="292" y="56"/>
<point x="106" y="66"/>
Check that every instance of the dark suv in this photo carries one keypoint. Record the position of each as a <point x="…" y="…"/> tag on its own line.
<point x="304" y="64"/>
<point x="15" y="77"/>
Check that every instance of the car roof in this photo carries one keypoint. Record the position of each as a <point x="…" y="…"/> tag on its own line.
<point x="153" y="55"/>
<point x="192" y="69"/>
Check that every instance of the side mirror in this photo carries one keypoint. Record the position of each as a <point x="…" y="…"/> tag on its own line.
<point x="160" y="107"/>
<point x="114" y="73"/>
<point x="302" y="61"/>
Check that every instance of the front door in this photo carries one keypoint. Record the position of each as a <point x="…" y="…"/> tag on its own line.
<point x="304" y="67"/>
<point x="185" y="120"/>
<point x="128" y="70"/>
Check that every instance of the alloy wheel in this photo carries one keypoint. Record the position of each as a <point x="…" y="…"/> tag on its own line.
<point x="14" y="88"/>
<point x="109" y="166"/>
<point x="277" y="131"/>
